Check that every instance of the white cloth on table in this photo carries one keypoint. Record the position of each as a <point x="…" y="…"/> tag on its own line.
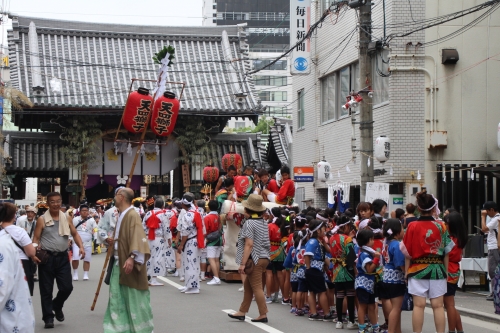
<point x="472" y="264"/>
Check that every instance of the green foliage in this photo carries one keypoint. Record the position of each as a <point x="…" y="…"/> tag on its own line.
<point x="82" y="149"/>
<point x="166" y="51"/>
<point x="263" y="126"/>
<point x="193" y="141"/>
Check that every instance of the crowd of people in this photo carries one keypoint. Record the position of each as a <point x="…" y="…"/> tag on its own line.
<point x="355" y="267"/>
<point x="352" y="267"/>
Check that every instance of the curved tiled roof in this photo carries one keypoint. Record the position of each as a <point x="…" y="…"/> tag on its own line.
<point x="96" y="62"/>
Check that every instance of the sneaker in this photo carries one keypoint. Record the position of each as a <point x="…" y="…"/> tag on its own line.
<point x="213" y="282"/>
<point x="75" y="276"/>
<point x="202" y="277"/>
<point x="286" y="301"/>
<point x="59" y="315"/>
<point x="155" y="283"/>
<point x="275" y="297"/>
<point x="85" y="276"/>
<point x="315" y="317"/>
<point x="339" y="325"/>
<point x="176" y="274"/>
<point x="293" y="310"/>
<point x="183" y="289"/>
<point x="352" y="326"/>
<point x="299" y="313"/>
<point x="384" y="327"/>
<point x="182" y="279"/>
<point x="241" y="289"/>
<point x="269" y="300"/>
<point x="379" y="330"/>
<point x="49" y="323"/>
<point x="489" y="297"/>
<point x="328" y="317"/>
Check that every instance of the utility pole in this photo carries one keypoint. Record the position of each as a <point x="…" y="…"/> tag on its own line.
<point x="366" y="109"/>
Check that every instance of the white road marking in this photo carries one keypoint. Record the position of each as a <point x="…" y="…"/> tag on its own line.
<point x="262" y="326"/>
<point x="474" y="322"/>
<point x="170" y="282"/>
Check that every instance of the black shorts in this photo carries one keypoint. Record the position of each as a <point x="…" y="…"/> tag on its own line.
<point x="451" y="289"/>
<point x="302" y="287"/>
<point x="275" y="266"/>
<point x="345" y="289"/>
<point x="330" y="285"/>
<point x="315" y="280"/>
<point x="295" y="286"/>
<point x="364" y="297"/>
<point x="392" y="290"/>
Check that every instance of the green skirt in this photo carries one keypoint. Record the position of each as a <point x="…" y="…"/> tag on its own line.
<point x="129" y="309"/>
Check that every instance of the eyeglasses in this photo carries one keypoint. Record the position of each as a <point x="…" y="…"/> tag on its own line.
<point x="52" y="202"/>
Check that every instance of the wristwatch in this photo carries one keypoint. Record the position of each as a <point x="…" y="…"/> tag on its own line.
<point x="132" y="256"/>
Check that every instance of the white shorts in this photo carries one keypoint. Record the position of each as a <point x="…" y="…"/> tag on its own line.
<point x="271" y="197"/>
<point x="76" y="252"/>
<point x="214" y="251"/>
<point x="427" y="288"/>
<point x="203" y="255"/>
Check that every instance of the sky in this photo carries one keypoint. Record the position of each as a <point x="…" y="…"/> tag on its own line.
<point x="140" y="12"/>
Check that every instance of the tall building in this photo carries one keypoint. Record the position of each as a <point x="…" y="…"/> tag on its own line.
<point x="268" y="34"/>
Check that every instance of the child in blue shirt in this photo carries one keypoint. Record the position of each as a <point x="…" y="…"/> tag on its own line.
<point x="368" y="261"/>
<point x="315" y="261"/>
<point x="394" y="272"/>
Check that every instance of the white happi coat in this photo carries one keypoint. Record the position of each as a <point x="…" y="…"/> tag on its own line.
<point x="169" y="251"/>
<point x="156" y="264"/>
<point x="190" y="253"/>
<point x="107" y="224"/>
<point x="85" y="230"/>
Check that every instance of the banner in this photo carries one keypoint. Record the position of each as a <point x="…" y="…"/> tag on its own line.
<point x="303" y="174"/>
<point x="377" y="191"/>
<point x="300" y="22"/>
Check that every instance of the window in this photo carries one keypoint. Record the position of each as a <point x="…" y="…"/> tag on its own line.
<point x="273" y="96"/>
<point x="334" y="90"/>
<point x="264" y="80"/>
<point x="214" y="6"/>
<point x="278" y="65"/>
<point x="277" y="110"/>
<point x="380" y="83"/>
<point x="214" y="21"/>
<point x="345" y="89"/>
<point x="239" y="124"/>
<point x="214" y="15"/>
<point x="300" y="109"/>
<point x="328" y="92"/>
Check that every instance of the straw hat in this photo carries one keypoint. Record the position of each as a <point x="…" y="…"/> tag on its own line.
<point x="31" y="209"/>
<point x="254" y="203"/>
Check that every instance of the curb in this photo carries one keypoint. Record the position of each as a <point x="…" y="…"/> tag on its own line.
<point x="490" y="317"/>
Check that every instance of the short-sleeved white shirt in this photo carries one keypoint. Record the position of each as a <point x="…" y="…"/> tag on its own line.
<point x="21" y="237"/>
<point x="492" y="225"/>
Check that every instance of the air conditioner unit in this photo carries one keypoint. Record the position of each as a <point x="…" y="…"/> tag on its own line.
<point x="356" y="3"/>
<point x="411" y="190"/>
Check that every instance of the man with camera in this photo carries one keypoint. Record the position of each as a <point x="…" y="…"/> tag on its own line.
<point x="490" y="210"/>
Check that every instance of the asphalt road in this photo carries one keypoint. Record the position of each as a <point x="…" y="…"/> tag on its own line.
<point x="203" y="313"/>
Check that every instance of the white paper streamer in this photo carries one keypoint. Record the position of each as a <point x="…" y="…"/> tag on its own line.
<point x="368" y="163"/>
<point x="116" y="148"/>
<point x="129" y="149"/>
<point x="419" y="176"/>
<point x="444" y="177"/>
<point x="347" y="169"/>
<point x="472" y="174"/>
<point x="338" y="173"/>
<point x="157" y="148"/>
<point x="391" y="171"/>
<point x="143" y="150"/>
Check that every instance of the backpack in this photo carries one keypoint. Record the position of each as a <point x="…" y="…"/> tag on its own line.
<point x="211" y="224"/>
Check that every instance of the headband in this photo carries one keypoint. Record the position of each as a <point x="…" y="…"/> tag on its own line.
<point x="389" y="231"/>
<point x="363" y="224"/>
<point x="337" y="227"/>
<point x="319" y="217"/>
<point x="432" y="207"/>
<point x="184" y="201"/>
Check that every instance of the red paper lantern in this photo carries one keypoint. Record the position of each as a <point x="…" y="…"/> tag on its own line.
<point x="165" y="112"/>
<point x="210" y="174"/>
<point x="137" y="110"/>
<point x="232" y="158"/>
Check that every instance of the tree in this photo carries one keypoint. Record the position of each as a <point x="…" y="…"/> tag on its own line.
<point x="193" y="141"/>
<point x="81" y="150"/>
